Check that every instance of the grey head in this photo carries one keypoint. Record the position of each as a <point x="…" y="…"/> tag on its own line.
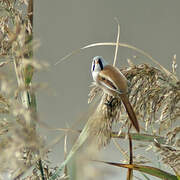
<point x="98" y="64"/>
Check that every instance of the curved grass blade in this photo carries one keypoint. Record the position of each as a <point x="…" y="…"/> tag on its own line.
<point x="145" y="169"/>
<point x="79" y="142"/>
<point x="140" y="137"/>
<point x="122" y="45"/>
<point x="117" y="43"/>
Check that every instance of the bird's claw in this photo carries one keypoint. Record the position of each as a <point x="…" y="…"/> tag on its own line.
<point x="110" y="102"/>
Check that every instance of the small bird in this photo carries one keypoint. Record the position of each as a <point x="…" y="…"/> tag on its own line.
<point x="113" y="82"/>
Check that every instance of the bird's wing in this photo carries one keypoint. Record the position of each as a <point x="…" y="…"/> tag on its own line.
<point x="108" y="86"/>
<point x="112" y="77"/>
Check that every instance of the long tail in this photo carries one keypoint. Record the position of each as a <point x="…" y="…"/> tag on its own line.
<point x="130" y="112"/>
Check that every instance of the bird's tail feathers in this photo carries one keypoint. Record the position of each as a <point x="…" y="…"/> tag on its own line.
<point x="130" y="112"/>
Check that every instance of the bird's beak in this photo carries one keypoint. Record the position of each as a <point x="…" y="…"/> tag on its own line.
<point x="96" y="62"/>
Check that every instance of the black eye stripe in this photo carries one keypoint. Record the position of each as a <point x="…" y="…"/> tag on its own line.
<point x="93" y="66"/>
<point x="100" y="63"/>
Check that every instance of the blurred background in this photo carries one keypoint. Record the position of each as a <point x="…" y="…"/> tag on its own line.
<point x="62" y="26"/>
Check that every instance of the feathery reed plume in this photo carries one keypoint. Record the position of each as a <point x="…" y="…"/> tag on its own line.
<point x="151" y="92"/>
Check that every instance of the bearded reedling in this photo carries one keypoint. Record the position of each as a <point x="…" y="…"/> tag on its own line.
<point x="114" y="83"/>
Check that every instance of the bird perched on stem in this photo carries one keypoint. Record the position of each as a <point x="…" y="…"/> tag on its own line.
<point x="113" y="82"/>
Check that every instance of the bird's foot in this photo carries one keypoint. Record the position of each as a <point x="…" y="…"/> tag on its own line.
<point x="109" y="103"/>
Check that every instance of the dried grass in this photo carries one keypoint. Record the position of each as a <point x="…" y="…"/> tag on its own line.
<point x="155" y="98"/>
<point x="154" y="94"/>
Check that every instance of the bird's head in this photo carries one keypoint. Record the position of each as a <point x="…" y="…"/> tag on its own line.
<point x="98" y="65"/>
